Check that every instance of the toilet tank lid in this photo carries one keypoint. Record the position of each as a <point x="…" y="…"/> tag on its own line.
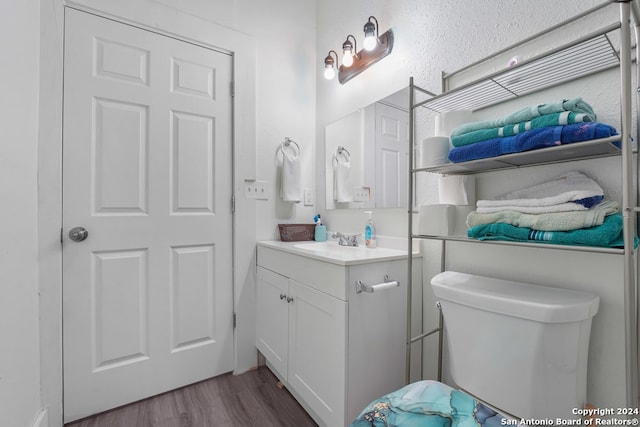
<point x="527" y="301"/>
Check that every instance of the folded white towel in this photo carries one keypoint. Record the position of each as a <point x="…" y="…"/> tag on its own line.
<point x="561" y="207"/>
<point x="566" y="188"/>
<point x="554" y="221"/>
<point x="291" y="179"/>
<point x="342" y="188"/>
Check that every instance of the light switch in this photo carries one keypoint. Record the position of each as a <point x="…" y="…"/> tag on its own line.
<point x="255" y="189"/>
<point x="308" y="197"/>
<point x="361" y="194"/>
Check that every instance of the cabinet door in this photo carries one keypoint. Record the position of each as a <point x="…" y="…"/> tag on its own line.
<point x="317" y="348"/>
<point x="272" y="319"/>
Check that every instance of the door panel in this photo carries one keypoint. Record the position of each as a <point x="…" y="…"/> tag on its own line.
<point x="392" y="156"/>
<point x="272" y="319"/>
<point x="119" y="181"/>
<point x="119" y="279"/>
<point x="192" y="296"/>
<point x="317" y="349"/>
<point x="191" y="141"/>
<point x="147" y="297"/>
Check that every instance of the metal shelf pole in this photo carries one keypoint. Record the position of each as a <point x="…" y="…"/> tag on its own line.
<point x="628" y="213"/>
<point x="410" y="232"/>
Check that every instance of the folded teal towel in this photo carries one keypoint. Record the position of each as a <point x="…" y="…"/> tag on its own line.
<point x="576" y="105"/>
<point x="555" y="119"/>
<point x="609" y="234"/>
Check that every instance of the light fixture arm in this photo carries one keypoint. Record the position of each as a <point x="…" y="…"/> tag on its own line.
<point x="329" y="59"/>
<point x="354" y="46"/>
<point x="369" y="24"/>
<point x="349" y="51"/>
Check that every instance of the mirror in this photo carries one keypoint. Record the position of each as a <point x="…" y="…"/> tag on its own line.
<point x="367" y="156"/>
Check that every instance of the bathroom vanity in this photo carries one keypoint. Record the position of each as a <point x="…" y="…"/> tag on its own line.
<point x="333" y="343"/>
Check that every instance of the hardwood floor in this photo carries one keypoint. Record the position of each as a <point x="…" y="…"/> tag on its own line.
<point x="250" y="399"/>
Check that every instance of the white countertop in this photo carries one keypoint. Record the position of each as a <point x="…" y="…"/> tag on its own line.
<point x="331" y="252"/>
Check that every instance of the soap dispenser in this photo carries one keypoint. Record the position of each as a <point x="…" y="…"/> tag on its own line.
<point x="370" y="232"/>
<point x="321" y="230"/>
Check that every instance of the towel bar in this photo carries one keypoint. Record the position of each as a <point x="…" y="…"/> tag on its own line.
<point x="287" y="143"/>
<point x="363" y="287"/>
<point x="340" y="151"/>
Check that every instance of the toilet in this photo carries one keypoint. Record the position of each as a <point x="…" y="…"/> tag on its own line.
<point x="520" y="348"/>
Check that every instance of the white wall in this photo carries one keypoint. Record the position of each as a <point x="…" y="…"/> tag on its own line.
<point x="431" y="37"/>
<point x="19" y="357"/>
<point x="284" y="31"/>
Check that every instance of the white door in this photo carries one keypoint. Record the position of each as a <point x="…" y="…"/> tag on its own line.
<point x="147" y="152"/>
<point x="392" y="156"/>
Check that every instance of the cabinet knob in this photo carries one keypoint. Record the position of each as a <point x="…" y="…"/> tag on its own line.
<point x="282" y="296"/>
<point x="289" y="299"/>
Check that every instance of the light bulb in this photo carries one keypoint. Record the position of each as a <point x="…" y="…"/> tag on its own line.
<point x="370" y="37"/>
<point x="347" y="59"/>
<point x="329" y="73"/>
<point x="347" y="51"/>
<point x="370" y="42"/>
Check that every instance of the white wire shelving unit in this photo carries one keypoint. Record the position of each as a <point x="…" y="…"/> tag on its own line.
<point x="585" y="56"/>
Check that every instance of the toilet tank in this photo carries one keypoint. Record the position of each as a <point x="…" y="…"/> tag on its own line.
<point x="519" y="347"/>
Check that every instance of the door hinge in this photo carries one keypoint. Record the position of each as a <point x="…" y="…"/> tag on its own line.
<point x="233" y="204"/>
<point x="234" y="320"/>
<point x="232" y="88"/>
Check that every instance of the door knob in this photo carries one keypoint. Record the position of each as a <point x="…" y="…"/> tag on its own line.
<point x="78" y="234"/>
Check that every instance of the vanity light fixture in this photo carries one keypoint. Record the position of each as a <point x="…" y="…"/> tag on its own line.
<point x="376" y="47"/>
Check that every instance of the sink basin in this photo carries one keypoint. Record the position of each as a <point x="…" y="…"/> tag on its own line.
<point x="333" y="250"/>
<point x="330" y="251"/>
<point x="325" y="247"/>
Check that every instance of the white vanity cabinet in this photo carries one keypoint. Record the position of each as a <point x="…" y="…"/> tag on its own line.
<point x="300" y="331"/>
<point x="335" y="349"/>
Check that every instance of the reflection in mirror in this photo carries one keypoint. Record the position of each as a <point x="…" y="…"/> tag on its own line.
<point x="367" y="155"/>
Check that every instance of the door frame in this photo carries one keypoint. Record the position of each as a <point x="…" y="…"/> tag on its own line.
<point x="159" y="19"/>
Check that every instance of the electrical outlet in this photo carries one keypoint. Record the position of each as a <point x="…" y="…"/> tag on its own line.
<point x="255" y="189"/>
<point x="361" y="194"/>
<point x="308" y="197"/>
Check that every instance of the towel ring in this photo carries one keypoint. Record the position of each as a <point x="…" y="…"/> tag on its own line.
<point x="341" y="151"/>
<point x="287" y="143"/>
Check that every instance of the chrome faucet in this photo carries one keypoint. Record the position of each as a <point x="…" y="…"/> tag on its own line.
<point x="345" y="239"/>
